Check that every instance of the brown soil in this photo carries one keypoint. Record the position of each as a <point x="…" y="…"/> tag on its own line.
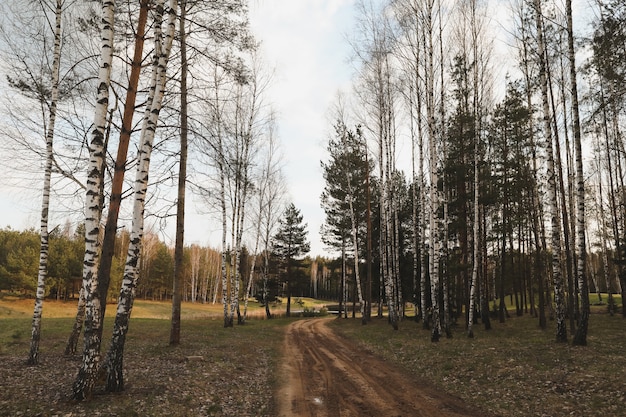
<point x="325" y="375"/>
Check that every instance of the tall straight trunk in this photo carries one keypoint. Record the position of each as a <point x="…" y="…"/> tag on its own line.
<point x="565" y="215"/>
<point x="485" y="288"/>
<point x="539" y="257"/>
<point x="433" y="211"/>
<point x="163" y="47"/>
<point x="257" y="240"/>
<point x="382" y="264"/>
<point x="444" y="276"/>
<point x="85" y="379"/>
<point x="601" y="222"/>
<point x="617" y="236"/>
<point x="246" y="137"/>
<point x="343" y="301"/>
<point x="618" y="144"/>
<point x="368" y="290"/>
<point x="355" y="248"/>
<point x="424" y="291"/>
<point x="179" y="246"/>
<point x="561" y="327"/>
<point x="537" y="210"/>
<point x="444" y="271"/>
<point x="502" y="313"/>
<point x="110" y="228"/>
<point x="475" y="260"/>
<point x="420" y="42"/>
<point x="388" y="200"/>
<point x="221" y="164"/>
<point x="45" y="200"/>
<point x="414" y="206"/>
<point x="246" y="294"/>
<point x="580" y="338"/>
<point x="266" y="261"/>
<point x="570" y="227"/>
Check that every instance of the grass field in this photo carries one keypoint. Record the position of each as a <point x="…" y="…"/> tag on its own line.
<point x="232" y="372"/>
<point x="515" y="369"/>
<point x="14" y="307"/>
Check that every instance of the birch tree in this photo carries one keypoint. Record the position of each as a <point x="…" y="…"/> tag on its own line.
<point x="44" y="65"/>
<point x="412" y="55"/>
<point x="43" y="234"/>
<point x="85" y="379"/>
<point x="115" y="200"/>
<point x="377" y="92"/>
<point x="269" y="191"/>
<point x="429" y="39"/>
<point x="561" y="328"/>
<point x="580" y="338"/>
<point x="162" y="49"/>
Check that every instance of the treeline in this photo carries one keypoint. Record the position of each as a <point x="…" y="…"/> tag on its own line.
<point x="19" y="256"/>
<point x="516" y="186"/>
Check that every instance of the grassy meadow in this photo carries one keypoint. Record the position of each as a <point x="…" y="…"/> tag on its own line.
<point x="214" y="371"/>
<point x="514" y="369"/>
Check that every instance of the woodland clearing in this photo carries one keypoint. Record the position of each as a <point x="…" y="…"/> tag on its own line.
<point x="515" y="369"/>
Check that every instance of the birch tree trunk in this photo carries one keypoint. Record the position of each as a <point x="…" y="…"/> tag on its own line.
<point x="561" y="327"/>
<point x="538" y="229"/>
<point x="580" y="338"/>
<point x="368" y="291"/>
<point x="110" y="228"/>
<point x="434" y="178"/>
<point x="45" y="200"/>
<point x="114" y="360"/>
<point x="475" y="260"/>
<point x="85" y="379"/>
<point x="566" y="251"/>
<point x="72" y="343"/>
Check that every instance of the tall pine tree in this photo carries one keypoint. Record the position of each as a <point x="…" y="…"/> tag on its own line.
<point x="289" y="244"/>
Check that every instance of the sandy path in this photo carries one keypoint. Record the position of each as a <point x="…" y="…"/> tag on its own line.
<point x="324" y="375"/>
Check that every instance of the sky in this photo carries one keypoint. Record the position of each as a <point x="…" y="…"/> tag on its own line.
<point x="305" y="42"/>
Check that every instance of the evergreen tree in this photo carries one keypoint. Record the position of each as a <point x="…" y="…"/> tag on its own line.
<point x="290" y="243"/>
<point x="346" y="183"/>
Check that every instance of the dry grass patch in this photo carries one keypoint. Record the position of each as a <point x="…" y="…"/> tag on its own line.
<point x="231" y="374"/>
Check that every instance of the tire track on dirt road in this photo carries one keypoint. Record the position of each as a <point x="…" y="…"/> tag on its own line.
<point x="324" y="375"/>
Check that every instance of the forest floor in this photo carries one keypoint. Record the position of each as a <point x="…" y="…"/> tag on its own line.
<point x="213" y="372"/>
<point x="291" y="367"/>
<point x="513" y="369"/>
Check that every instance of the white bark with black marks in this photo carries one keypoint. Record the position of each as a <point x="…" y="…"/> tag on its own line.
<point x="45" y="201"/>
<point x="163" y="47"/>
<point x="85" y="379"/>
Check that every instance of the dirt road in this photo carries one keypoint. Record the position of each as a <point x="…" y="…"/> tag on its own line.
<point x="324" y="375"/>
